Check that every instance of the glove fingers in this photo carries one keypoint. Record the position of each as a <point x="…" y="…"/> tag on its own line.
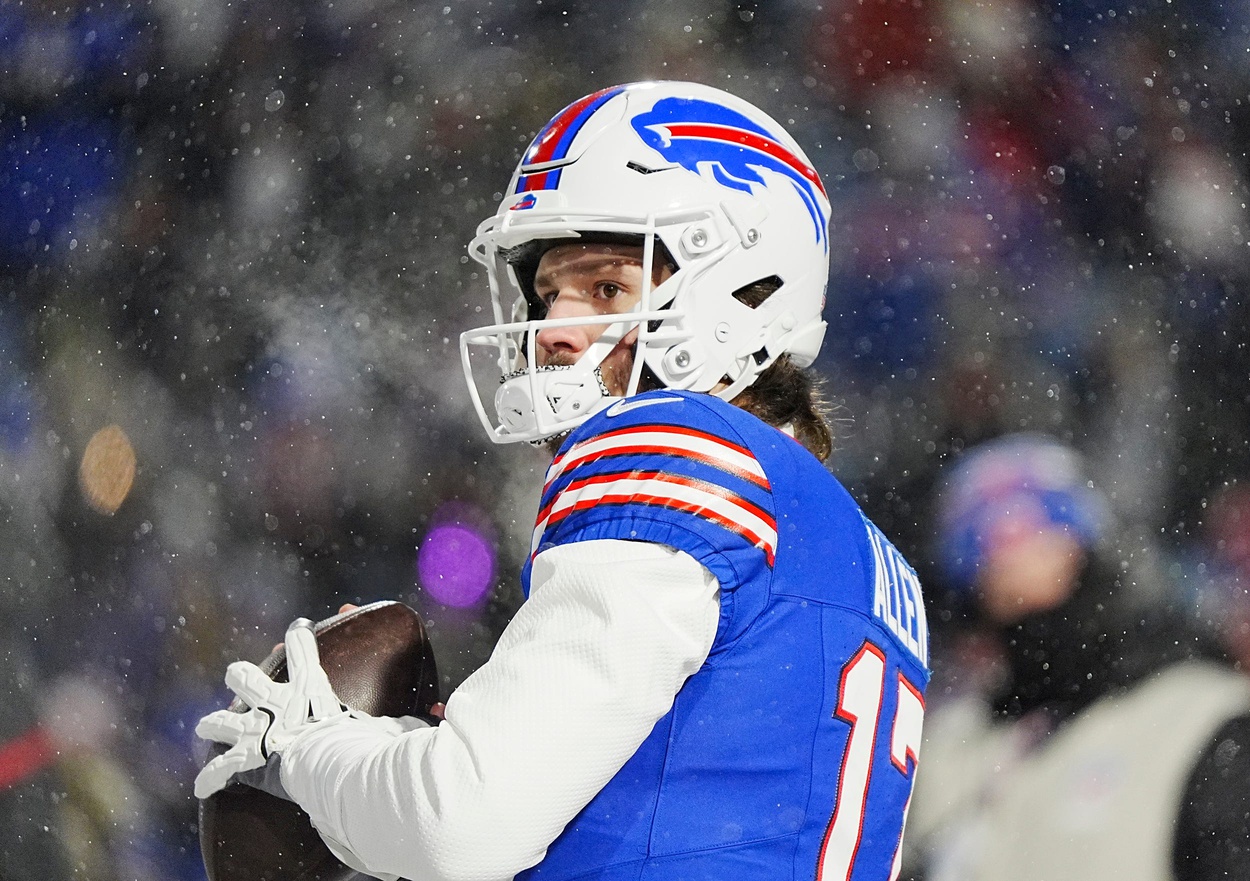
<point x="223" y="726"/>
<point x="253" y="686"/>
<point x="217" y="773"/>
<point x="229" y="727"/>
<point x="303" y="661"/>
<point x="303" y="664"/>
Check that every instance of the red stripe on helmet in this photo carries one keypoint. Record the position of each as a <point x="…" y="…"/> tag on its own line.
<point x="747" y="139"/>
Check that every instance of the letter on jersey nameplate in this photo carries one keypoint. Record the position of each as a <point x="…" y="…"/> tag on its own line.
<point x="897" y="600"/>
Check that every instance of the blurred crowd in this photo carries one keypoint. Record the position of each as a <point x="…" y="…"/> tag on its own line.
<point x="234" y="277"/>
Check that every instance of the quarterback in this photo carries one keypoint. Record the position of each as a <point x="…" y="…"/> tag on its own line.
<point x="719" y="669"/>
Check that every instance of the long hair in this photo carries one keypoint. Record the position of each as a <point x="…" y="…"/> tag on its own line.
<point x="785" y="394"/>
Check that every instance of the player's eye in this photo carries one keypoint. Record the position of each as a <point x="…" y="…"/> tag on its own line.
<point x="608" y="290"/>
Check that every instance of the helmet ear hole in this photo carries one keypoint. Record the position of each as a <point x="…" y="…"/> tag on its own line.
<point x="754" y="294"/>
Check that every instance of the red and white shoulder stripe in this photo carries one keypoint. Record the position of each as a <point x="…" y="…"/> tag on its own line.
<point x="654" y="487"/>
<point x="662" y="440"/>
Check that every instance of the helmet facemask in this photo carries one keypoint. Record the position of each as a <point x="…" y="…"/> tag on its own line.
<point x="535" y="402"/>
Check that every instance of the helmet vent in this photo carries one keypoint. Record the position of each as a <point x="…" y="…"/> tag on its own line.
<point x="754" y="294"/>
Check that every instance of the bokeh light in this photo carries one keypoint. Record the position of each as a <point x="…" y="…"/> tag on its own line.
<point x="456" y="563"/>
<point x="107" y="471"/>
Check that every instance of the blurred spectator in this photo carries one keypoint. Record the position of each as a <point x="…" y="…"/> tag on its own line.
<point x="1079" y="734"/>
<point x="1217" y="570"/>
<point x="32" y="837"/>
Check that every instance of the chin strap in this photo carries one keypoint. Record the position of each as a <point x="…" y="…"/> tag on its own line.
<point x="550" y="399"/>
<point x="729" y="392"/>
<point x="566" y="402"/>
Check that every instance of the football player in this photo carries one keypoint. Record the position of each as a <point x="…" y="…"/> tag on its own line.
<point x="720" y="666"/>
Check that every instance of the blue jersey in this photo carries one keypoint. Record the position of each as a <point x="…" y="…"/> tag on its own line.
<point x="790" y="754"/>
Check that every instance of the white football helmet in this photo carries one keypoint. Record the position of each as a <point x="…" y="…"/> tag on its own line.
<point x="719" y="185"/>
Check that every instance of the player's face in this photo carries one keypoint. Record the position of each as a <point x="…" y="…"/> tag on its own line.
<point x="588" y="280"/>
<point x="1028" y="570"/>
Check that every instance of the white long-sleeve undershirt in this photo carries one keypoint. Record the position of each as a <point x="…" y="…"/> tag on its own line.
<point x="578" y="679"/>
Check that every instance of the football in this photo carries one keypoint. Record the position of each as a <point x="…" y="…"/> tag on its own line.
<point x="379" y="661"/>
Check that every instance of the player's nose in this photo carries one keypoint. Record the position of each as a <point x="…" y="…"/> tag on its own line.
<point x="570" y="339"/>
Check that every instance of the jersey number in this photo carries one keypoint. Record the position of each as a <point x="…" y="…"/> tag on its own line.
<point x="860" y="696"/>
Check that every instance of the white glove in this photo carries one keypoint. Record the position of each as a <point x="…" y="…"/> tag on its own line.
<point x="278" y="711"/>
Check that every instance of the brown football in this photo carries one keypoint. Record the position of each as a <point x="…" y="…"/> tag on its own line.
<point x="379" y="661"/>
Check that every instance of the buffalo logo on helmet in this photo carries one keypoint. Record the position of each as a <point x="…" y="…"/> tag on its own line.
<point x="703" y="136"/>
